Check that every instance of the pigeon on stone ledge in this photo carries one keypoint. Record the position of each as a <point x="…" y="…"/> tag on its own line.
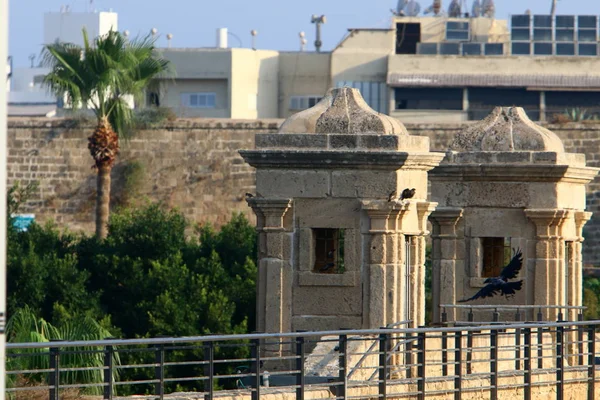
<point x="392" y="196"/>
<point x="408" y="193"/>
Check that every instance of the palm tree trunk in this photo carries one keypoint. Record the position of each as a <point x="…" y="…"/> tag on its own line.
<point x="102" y="201"/>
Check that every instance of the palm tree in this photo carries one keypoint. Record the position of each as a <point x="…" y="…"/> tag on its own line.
<point x="101" y="76"/>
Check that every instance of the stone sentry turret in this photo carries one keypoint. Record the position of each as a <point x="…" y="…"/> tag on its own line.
<point x="507" y="183"/>
<point x="333" y="251"/>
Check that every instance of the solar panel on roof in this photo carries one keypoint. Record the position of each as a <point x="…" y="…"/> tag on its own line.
<point x="518" y="34"/>
<point x="523" y="20"/>
<point x="521" y="49"/>
<point x="449" y="48"/>
<point x="542" y="21"/>
<point x="565" y="21"/>
<point x="542" y="49"/>
<point x="588" y="49"/>
<point x="427" y="48"/>
<point x="494" y="49"/>
<point x="565" y="49"/>
<point x="587" y="21"/>
<point x="471" y="49"/>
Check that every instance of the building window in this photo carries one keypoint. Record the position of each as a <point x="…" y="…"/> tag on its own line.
<point x="303" y="102"/>
<point x="456" y="30"/>
<point x="329" y="251"/>
<point x="429" y="98"/>
<point x="152" y="99"/>
<point x="496" y="255"/>
<point x="199" y="100"/>
<point x="408" y="35"/>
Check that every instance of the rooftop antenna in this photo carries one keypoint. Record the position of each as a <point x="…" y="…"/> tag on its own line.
<point x="411" y="8"/>
<point x="318" y="21"/>
<point x="454" y="9"/>
<point x="476" y="9"/>
<point x="154" y="32"/>
<point x="302" y="37"/>
<point x="435" y="8"/>
<point x="253" y="33"/>
<point x="31" y="59"/>
<point x="553" y="9"/>
<point x="488" y="8"/>
<point x="169" y="37"/>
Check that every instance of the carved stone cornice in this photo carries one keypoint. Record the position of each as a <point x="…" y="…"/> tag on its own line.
<point x="446" y="219"/>
<point x="581" y="218"/>
<point x="269" y="212"/>
<point x="547" y="221"/>
<point x="424" y="210"/>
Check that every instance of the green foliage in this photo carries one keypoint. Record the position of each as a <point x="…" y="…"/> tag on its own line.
<point x="152" y="117"/>
<point x="578" y="114"/>
<point x="591" y="297"/>
<point x="18" y="195"/>
<point x="101" y="74"/>
<point x="24" y="326"/>
<point x="146" y="279"/>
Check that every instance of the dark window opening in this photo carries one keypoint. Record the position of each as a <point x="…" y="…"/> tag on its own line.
<point x="153" y="99"/>
<point x="407" y="37"/>
<point x="429" y="99"/>
<point x="482" y="101"/>
<point x="561" y="101"/>
<point x="496" y="255"/>
<point x="329" y="251"/>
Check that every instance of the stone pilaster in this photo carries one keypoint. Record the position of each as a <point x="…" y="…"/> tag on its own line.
<point x="549" y="246"/>
<point x="424" y="210"/>
<point x="444" y="249"/>
<point x="575" y="297"/>
<point x="274" y="281"/>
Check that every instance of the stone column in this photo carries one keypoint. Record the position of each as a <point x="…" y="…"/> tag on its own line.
<point x="424" y="210"/>
<point x="274" y="281"/>
<point x="547" y="272"/>
<point x="576" y="263"/>
<point x="382" y="278"/>
<point x="444" y="281"/>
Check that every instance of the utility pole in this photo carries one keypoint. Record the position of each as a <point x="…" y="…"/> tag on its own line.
<point x="3" y="219"/>
<point x="318" y="20"/>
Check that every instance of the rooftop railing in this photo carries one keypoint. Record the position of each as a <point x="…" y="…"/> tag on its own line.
<point x="525" y="358"/>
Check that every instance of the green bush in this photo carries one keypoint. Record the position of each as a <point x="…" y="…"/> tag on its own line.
<point x="146" y="279"/>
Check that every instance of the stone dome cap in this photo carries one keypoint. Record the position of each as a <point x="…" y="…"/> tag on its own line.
<point x="507" y="129"/>
<point x="343" y="111"/>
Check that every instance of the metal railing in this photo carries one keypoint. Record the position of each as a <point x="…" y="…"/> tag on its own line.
<point x="446" y="361"/>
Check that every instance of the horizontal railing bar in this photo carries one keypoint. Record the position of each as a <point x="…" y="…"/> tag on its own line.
<point x="216" y="338"/>
<point x="508" y="307"/>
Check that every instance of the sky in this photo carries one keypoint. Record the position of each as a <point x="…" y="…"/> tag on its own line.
<point x="193" y="23"/>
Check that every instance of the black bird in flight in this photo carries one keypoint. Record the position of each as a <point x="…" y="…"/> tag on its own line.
<point x="408" y="193"/>
<point x="500" y="284"/>
<point x="392" y="195"/>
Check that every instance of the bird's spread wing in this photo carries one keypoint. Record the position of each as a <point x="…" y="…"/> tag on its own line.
<point x="486" y="291"/>
<point x="514" y="266"/>
<point x="511" y="287"/>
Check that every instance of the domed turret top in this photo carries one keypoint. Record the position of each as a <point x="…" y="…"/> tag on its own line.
<point x="343" y="111"/>
<point x="507" y="129"/>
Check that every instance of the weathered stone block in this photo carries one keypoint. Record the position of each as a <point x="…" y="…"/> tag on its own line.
<point x="291" y="140"/>
<point x="342" y="141"/>
<point x="313" y="300"/>
<point x="292" y="183"/>
<point x="363" y="184"/>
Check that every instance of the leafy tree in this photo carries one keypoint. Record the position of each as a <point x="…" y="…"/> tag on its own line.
<point x="101" y="75"/>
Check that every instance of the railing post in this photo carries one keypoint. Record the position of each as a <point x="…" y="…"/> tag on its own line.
<point x="300" y="382"/>
<point x="592" y="362"/>
<point x="159" y="371"/>
<point x="494" y="364"/>
<point x="527" y="364"/>
<point x="209" y="369"/>
<point x="343" y="367"/>
<point x="383" y="365"/>
<point x="108" y="372"/>
<point x="540" y="342"/>
<point x="421" y="346"/>
<point x="408" y="358"/>
<point x="444" y="347"/>
<point x="580" y="338"/>
<point x="255" y="355"/>
<point x="458" y="366"/>
<point x="560" y="370"/>
<point x="470" y="318"/>
<point x="518" y="342"/>
<point x="54" y="379"/>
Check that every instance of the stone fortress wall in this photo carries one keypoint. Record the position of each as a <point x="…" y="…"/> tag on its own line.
<point x="194" y="165"/>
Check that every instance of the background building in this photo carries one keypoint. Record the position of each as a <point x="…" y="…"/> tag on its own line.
<point x="438" y="69"/>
